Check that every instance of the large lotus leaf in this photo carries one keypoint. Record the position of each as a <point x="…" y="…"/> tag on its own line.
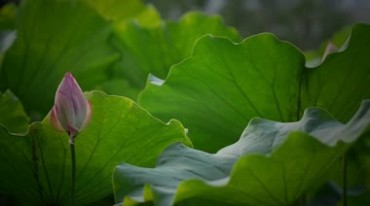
<point x="343" y="79"/>
<point x="155" y="49"/>
<point x="54" y="37"/>
<point x="36" y="168"/>
<point x="223" y="85"/>
<point x="273" y="163"/>
<point x="12" y="115"/>
<point x="118" y="10"/>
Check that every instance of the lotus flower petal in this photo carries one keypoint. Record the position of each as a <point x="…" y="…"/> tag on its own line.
<point x="71" y="111"/>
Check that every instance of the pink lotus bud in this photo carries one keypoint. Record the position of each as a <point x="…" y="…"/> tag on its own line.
<point x="71" y="111"/>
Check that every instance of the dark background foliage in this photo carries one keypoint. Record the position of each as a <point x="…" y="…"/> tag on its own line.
<point x="306" y="23"/>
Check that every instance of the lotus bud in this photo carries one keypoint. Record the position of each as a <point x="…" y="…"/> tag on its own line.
<point x="71" y="111"/>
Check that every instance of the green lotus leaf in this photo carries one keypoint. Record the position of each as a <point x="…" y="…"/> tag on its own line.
<point x="126" y="10"/>
<point x="223" y="85"/>
<point x="54" y="37"/>
<point x="337" y="43"/>
<point x="36" y="167"/>
<point x="12" y="115"/>
<point x="153" y="50"/>
<point x="273" y="163"/>
<point x="342" y="80"/>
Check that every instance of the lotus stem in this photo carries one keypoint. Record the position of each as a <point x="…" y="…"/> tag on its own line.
<point x="73" y="171"/>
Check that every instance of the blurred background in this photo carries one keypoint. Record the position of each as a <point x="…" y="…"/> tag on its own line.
<point x="306" y="23"/>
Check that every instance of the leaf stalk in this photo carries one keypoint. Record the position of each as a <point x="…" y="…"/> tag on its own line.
<point x="73" y="169"/>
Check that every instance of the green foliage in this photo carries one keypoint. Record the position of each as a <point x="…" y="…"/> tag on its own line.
<point x="36" y="166"/>
<point x="263" y="77"/>
<point x="54" y="37"/>
<point x="300" y="153"/>
<point x="7" y="16"/>
<point x="342" y="80"/>
<point x="12" y="116"/>
<point x="125" y="10"/>
<point x="7" y="38"/>
<point x="195" y="70"/>
<point x="153" y="50"/>
<point x="215" y="94"/>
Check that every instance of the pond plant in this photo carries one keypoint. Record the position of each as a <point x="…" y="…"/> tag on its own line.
<point x="106" y="103"/>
